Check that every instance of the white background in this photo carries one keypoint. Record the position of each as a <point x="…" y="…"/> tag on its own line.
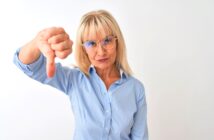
<point x="170" y="48"/>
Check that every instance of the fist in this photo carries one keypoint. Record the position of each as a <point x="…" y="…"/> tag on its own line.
<point x="53" y="42"/>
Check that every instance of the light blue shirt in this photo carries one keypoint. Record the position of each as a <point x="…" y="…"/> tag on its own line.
<point x="119" y="113"/>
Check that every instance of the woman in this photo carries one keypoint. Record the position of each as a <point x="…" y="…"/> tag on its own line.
<point x="107" y="102"/>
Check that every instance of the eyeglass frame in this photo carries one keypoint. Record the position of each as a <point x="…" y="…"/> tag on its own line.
<point x="100" y="43"/>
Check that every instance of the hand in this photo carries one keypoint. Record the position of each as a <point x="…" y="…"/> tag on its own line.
<point x="53" y="42"/>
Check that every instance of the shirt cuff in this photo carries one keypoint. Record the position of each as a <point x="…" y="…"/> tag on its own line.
<point x="28" y="68"/>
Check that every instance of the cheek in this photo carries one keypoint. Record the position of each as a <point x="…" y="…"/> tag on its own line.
<point x="113" y="54"/>
<point x="91" y="57"/>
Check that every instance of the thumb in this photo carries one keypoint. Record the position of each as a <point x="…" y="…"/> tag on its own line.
<point x="50" y="66"/>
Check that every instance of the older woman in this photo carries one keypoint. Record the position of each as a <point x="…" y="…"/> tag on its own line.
<point x="108" y="103"/>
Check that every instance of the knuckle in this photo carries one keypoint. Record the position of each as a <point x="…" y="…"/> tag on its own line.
<point x="67" y="36"/>
<point x="69" y="43"/>
<point x="70" y="51"/>
<point x="61" y="47"/>
<point x="57" y="47"/>
<point x="47" y="35"/>
<point x="52" y="40"/>
<point x="49" y="52"/>
<point x="61" y="29"/>
<point x="61" y="55"/>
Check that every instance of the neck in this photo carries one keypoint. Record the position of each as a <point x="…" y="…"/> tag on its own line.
<point x="109" y="75"/>
<point x="108" y="72"/>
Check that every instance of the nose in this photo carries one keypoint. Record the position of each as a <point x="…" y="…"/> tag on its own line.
<point x="100" y="49"/>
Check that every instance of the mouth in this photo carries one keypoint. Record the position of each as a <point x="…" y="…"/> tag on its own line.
<point x="102" y="60"/>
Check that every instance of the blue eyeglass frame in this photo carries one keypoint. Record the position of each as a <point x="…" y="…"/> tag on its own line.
<point x="92" y="43"/>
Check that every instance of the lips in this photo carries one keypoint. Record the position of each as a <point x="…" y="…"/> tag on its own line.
<point x="102" y="60"/>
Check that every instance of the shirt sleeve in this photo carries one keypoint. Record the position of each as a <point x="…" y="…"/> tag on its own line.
<point x="139" y="130"/>
<point x="37" y="71"/>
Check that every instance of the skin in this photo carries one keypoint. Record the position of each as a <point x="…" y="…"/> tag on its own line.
<point x="51" y="42"/>
<point x="104" y="62"/>
<point x="55" y="42"/>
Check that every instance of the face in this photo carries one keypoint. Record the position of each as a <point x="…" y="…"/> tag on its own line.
<point x="101" y="51"/>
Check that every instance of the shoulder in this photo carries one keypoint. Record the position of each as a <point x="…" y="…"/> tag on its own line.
<point x="136" y="82"/>
<point x="137" y="85"/>
<point x="70" y="71"/>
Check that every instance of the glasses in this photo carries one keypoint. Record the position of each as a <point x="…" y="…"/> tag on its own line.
<point x="106" y="43"/>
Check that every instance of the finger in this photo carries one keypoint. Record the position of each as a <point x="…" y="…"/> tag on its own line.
<point x="65" y="45"/>
<point x="58" y="38"/>
<point x="63" y="54"/>
<point x="49" y="32"/>
<point x="45" y="48"/>
<point x="50" y="56"/>
<point x="50" y="66"/>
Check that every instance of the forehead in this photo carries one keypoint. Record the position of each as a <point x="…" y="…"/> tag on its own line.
<point x="96" y="31"/>
<point x="93" y="34"/>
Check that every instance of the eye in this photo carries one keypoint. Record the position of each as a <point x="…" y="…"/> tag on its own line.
<point x="107" y="40"/>
<point x="89" y="44"/>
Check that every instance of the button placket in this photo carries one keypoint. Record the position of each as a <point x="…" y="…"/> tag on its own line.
<point x="107" y="113"/>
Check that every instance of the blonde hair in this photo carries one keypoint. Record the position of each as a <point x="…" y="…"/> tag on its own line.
<point x="100" y="22"/>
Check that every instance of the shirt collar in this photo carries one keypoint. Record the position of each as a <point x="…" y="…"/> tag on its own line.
<point x="123" y="74"/>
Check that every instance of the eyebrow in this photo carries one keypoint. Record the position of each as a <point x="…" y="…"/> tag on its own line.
<point x="96" y="40"/>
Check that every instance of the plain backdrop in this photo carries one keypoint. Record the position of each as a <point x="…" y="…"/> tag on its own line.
<point x="170" y="47"/>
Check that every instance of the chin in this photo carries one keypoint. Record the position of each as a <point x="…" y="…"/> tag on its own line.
<point x="103" y="66"/>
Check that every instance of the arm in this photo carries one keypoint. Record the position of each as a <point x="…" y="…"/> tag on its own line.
<point x="34" y="58"/>
<point x="29" y="53"/>
<point x="139" y="130"/>
<point x="51" y="42"/>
